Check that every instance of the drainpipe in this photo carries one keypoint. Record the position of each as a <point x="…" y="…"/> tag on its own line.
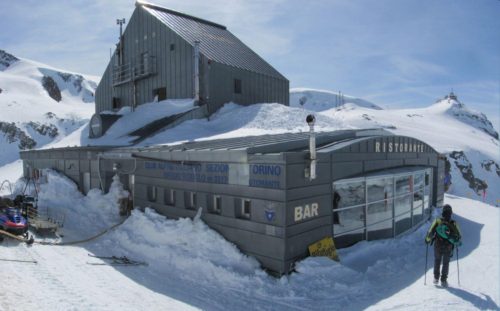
<point x="312" y="146"/>
<point x="197" y="72"/>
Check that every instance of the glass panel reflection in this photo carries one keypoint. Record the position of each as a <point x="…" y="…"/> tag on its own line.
<point x="349" y="220"/>
<point x="403" y="184"/>
<point x="379" y="211"/>
<point x="403" y="223"/>
<point x="379" y="189"/>
<point x="349" y="194"/>
<point x="402" y="204"/>
<point x="381" y="230"/>
<point x="418" y="181"/>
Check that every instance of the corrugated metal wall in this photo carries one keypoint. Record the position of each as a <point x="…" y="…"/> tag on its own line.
<point x="256" y="87"/>
<point x="174" y="69"/>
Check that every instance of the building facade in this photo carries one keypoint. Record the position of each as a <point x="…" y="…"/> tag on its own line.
<point x="164" y="54"/>
<point x="261" y="193"/>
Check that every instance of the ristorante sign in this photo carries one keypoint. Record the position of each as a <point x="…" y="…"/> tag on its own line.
<point x="394" y="146"/>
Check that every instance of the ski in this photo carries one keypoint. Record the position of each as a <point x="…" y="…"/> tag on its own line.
<point x="18" y="260"/>
<point x="123" y="260"/>
<point x="117" y="264"/>
<point x="26" y="240"/>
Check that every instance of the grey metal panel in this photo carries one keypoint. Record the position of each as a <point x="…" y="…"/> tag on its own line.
<point x="324" y="208"/>
<point x="294" y="230"/>
<point x="308" y="192"/>
<point x="381" y="164"/>
<point x="346" y="169"/>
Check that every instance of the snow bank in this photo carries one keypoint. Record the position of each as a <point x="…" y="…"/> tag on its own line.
<point x="83" y="215"/>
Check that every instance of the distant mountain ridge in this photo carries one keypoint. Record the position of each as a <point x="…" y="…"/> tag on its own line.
<point x="39" y="104"/>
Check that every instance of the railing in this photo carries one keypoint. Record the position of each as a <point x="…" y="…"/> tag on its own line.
<point x="140" y="67"/>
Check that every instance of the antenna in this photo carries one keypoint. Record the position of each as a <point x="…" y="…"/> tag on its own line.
<point x="120" y="22"/>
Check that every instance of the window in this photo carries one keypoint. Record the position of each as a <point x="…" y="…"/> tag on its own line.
<point x="172" y="47"/>
<point x="169" y="197"/>
<point x="160" y="94"/>
<point x="116" y="103"/>
<point x="151" y="193"/>
<point x="237" y="86"/>
<point x="243" y="208"/>
<point x="215" y="206"/>
<point x="144" y="65"/>
<point x="190" y="200"/>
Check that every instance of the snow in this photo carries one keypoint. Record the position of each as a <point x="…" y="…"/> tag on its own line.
<point x="117" y="134"/>
<point x="193" y="267"/>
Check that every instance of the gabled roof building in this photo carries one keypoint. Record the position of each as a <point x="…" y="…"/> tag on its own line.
<point x="164" y="54"/>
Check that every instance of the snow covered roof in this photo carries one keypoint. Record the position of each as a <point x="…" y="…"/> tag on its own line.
<point x="273" y="143"/>
<point x="216" y="42"/>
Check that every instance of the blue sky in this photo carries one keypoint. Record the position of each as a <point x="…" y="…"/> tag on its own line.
<point x="395" y="53"/>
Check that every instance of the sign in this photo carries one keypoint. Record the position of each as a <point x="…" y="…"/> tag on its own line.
<point x="266" y="176"/>
<point x="324" y="248"/>
<point x="392" y="147"/>
<point x="306" y="211"/>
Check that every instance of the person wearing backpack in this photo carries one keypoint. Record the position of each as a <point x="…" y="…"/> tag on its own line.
<point x="445" y="234"/>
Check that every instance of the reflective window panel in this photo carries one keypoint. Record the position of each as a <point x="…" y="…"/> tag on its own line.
<point x="379" y="211"/>
<point x="350" y="219"/>
<point x="350" y="194"/>
<point x="403" y="223"/>
<point x="402" y="204"/>
<point x="381" y="230"/>
<point x="403" y="185"/>
<point x="379" y="189"/>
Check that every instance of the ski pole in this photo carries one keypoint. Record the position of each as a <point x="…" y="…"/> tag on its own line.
<point x="426" y="253"/>
<point x="458" y="269"/>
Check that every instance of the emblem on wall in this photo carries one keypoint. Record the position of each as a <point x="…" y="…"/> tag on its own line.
<point x="270" y="215"/>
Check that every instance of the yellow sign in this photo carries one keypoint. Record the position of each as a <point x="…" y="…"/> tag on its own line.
<point x="324" y="247"/>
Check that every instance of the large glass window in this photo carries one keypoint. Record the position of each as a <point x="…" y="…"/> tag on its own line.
<point x="378" y="207"/>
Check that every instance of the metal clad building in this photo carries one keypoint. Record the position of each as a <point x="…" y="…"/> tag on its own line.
<point x="258" y="193"/>
<point x="157" y="57"/>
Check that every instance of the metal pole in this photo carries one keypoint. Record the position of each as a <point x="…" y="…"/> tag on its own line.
<point x="426" y="255"/>
<point x="458" y="269"/>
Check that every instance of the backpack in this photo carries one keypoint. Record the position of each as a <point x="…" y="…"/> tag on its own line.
<point x="446" y="231"/>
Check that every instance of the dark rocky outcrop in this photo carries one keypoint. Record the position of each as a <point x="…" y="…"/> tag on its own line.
<point x="51" y="87"/>
<point x="44" y="129"/>
<point x="6" y="59"/>
<point x="465" y="167"/>
<point x="487" y="165"/>
<point x="1" y="90"/>
<point x="12" y="133"/>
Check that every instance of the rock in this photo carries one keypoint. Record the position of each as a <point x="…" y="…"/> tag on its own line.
<point x="51" y="87"/>
<point x="465" y="167"/>
<point x="13" y="134"/>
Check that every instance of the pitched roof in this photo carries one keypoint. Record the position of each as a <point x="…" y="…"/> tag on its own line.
<point x="216" y="42"/>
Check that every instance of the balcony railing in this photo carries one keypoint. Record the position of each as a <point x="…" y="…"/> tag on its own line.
<point x="139" y="68"/>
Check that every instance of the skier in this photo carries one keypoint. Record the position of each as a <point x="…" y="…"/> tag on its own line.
<point x="445" y="233"/>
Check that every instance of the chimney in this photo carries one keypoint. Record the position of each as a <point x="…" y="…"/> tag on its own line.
<point x="312" y="147"/>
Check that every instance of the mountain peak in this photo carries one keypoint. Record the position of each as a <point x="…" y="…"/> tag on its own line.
<point x="452" y="106"/>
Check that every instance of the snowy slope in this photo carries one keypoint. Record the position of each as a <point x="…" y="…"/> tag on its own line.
<point x="192" y="267"/>
<point x="39" y="105"/>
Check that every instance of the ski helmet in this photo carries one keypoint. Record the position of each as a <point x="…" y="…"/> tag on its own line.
<point x="447" y="211"/>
